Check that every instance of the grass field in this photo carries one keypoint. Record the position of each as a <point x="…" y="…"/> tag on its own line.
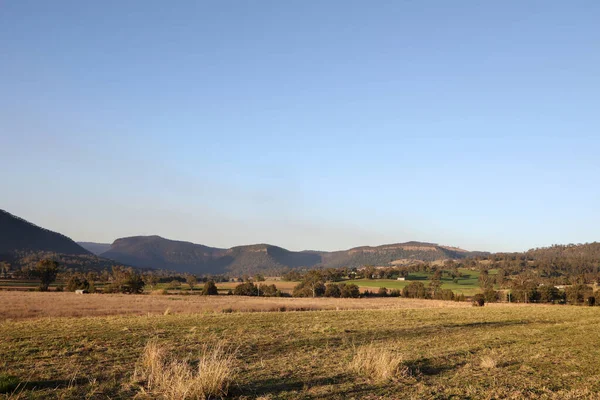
<point x="468" y="284"/>
<point x="442" y="352"/>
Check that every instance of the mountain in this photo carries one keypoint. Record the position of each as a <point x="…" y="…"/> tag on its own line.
<point x="23" y="244"/>
<point x="96" y="248"/>
<point x="17" y="234"/>
<point x="161" y="253"/>
<point x="392" y="254"/>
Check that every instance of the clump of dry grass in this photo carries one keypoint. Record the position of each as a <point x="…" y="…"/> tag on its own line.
<point x="208" y="376"/>
<point x="378" y="364"/>
<point x="488" y="361"/>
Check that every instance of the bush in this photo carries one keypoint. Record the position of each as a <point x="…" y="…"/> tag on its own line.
<point x="478" y="300"/>
<point x="246" y="289"/>
<point x="333" y="290"/>
<point x="394" y="293"/>
<point x="77" y="282"/>
<point x="382" y="292"/>
<point x="415" y="290"/>
<point x="490" y="295"/>
<point x="591" y="301"/>
<point x="350" y="290"/>
<point x="210" y="289"/>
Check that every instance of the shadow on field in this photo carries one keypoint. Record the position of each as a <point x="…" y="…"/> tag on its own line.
<point x="52" y="384"/>
<point x="277" y="386"/>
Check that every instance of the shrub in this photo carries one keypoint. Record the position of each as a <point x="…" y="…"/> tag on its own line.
<point x="77" y="282"/>
<point x="415" y="290"/>
<point x="207" y="376"/>
<point x="591" y="301"/>
<point x="210" y="289"/>
<point x="333" y="290"/>
<point x="378" y="364"/>
<point x="246" y="289"/>
<point x="382" y="292"/>
<point x="350" y="290"/>
<point x="478" y="300"/>
<point x="269" y="291"/>
<point x="394" y="293"/>
<point x="490" y="295"/>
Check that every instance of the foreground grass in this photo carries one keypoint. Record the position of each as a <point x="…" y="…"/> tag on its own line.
<point x="491" y="352"/>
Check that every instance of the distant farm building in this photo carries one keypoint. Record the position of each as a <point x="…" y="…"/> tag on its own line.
<point x="401" y="278"/>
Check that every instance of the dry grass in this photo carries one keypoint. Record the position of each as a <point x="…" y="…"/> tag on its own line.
<point x="171" y="379"/>
<point x="26" y="305"/>
<point x="378" y="364"/>
<point x="488" y="361"/>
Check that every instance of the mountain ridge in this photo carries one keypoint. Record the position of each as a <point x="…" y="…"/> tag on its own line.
<point x="154" y="251"/>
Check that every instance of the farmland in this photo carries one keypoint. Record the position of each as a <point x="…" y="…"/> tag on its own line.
<point x="446" y="349"/>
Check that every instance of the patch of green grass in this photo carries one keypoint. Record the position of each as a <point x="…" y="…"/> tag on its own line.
<point x="8" y="383"/>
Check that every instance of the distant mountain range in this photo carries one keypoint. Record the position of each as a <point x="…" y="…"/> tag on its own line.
<point x="161" y="253"/>
<point x="20" y="238"/>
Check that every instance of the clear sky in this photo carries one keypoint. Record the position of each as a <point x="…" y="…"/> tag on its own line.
<point x="306" y="124"/>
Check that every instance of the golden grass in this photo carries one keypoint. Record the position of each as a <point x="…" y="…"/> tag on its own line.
<point x="171" y="379"/>
<point x="488" y="361"/>
<point x="26" y="305"/>
<point x="378" y="364"/>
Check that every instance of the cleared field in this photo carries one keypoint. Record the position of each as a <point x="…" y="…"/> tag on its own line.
<point x="516" y="352"/>
<point x="24" y="305"/>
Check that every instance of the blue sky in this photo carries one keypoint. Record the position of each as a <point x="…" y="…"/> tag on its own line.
<point x="311" y="125"/>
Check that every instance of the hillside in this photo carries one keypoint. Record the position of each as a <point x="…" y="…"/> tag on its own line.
<point x="399" y="253"/>
<point x="96" y="248"/>
<point x="17" y="234"/>
<point x="161" y="253"/>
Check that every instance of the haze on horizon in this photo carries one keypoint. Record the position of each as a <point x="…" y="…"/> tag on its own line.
<point x="307" y="125"/>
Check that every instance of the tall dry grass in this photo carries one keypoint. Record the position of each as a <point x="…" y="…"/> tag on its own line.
<point x="378" y="364"/>
<point x="168" y="378"/>
<point x="25" y="305"/>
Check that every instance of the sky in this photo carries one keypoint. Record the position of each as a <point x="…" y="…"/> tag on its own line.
<point x="306" y="124"/>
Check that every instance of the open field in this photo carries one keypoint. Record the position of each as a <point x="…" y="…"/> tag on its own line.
<point x="25" y="305"/>
<point x="502" y="351"/>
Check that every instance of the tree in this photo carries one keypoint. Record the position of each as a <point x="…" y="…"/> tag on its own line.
<point x="415" y="290"/>
<point x="5" y="269"/>
<point x="350" y="290"/>
<point x="312" y="285"/>
<point x="210" y="289"/>
<point x="576" y="294"/>
<point x="77" y="282"/>
<point x="246" y="289"/>
<point x="192" y="280"/>
<point x="151" y="280"/>
<point x="46" y="270"/>
<point x="333" y="290"/>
